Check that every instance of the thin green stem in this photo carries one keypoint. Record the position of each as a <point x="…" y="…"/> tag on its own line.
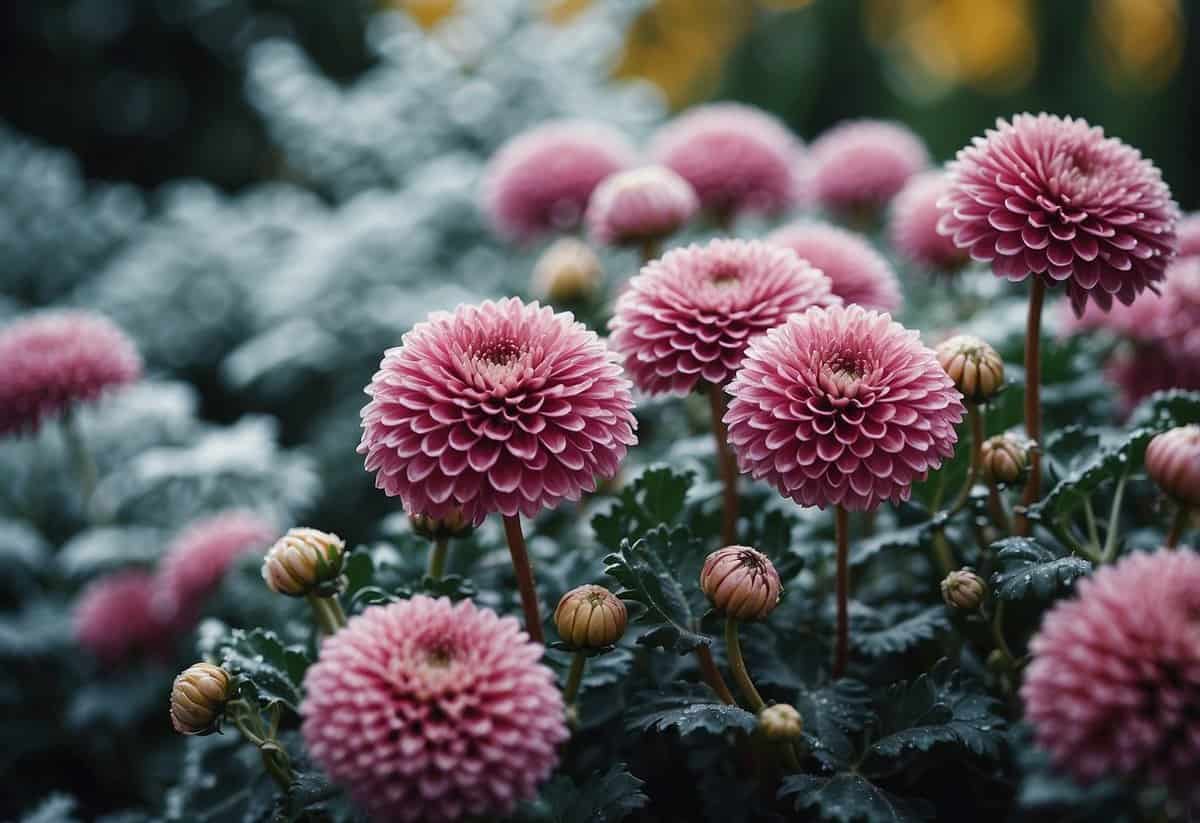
<point x="998" y="634"/>
<point x="324" y="615"/>
<point x="712" y="676"/>
<point x="1089" y="517"/>
<point x="274" y="758"/>
<point x="335" y="607"/>
<point x="842" y="643"/>
<point x="1114" y="522"/>
<point x="1033" y="400"/>
<point x="943" y="552"/>
<point x="437" y="557"/>
<point x="976" y="413"/>
<point x="1178" y="526"/>
<point x="524" y="573"/>
<point x="574" y="678"/>
<point x="81" y="456"/>
<point x="726" y="465"/>
<point x="650" y="249"/>
<point x="737" y="664"/>
<point x="996" y="508"/>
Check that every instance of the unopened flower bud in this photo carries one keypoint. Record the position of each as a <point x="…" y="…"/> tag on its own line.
<point x="963" y="589"/>
<point x="198" y="698"/>
<point x="432" y="528"/>
<point x="781" y="722"/>
<point x="1173" y="463"/>
<point x="303" y="561"/>
<point x="741" y="582"/>
<point x="973" y="365"/>
<point x="567" y="272"/>
<point x="1004" y="459"/>
<point x="590" y="617"/>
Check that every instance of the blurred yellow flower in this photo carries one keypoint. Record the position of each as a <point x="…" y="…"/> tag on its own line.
<point x="1141" y="41"/>
<point x="427" y="13"/>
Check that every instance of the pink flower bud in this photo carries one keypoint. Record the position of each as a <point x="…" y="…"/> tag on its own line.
<point x="1173" y="462"/>
<point x="741" y="582"/>
<point x="973" y="365"/>
<point x="568" y="271"/>
<point x="963" y="589"/>
<point x="454" y="524"/>
<point x="590" y="617"/>
<point x="1004" y="459"/>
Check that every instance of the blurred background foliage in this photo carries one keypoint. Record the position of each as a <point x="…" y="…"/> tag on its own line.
<point x="150" y="90"/>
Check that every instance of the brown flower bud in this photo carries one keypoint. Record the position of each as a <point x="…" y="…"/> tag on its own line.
<point x="303" y="561"/>
<point x="973" y="365"/>
<point x="590" y="617"/>
<point x="963" y="589"/>
<point x="1173" y="463"/>
<point x="198" y="698"/>
<point x="1004" y="458"/>
<point x="781" y="722"/>
<point x="431" y="528"/>
<point x="741" y="582"/>
<point x="568" y="271"/>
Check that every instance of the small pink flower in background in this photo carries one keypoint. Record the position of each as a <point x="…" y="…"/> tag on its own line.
<point x="689" y="316"/>
<point x="54" y="360"/>
<point x="912" y="227"/>
<point x="1114" y="686"/>
<point x="199" y="557"/>
<point x="860" y="165"/>
<point x="635" y="206"/>
<point x="427" y="711"/>
<point x="539" y="182"/>
<point x="502" y="407"/>
<point x="858" y="272"/>
<point x="739" y="159"/>
<point x="1188" y="235"/>
<point x="114" y="618"/>
<point x="842" y="406"/>
<point x="1055" y="198"/>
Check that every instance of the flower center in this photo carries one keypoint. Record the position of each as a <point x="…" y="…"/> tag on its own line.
<point x="750" y="560"/>
<point x="438" y="657"/>
<point x="723" y="275"/>
<point x="500" y="352"/>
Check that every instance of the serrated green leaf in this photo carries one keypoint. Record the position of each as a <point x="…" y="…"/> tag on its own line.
<point x="850" y="798"/>
<point x="267" y="669"/>
<point x="1167" y="409"/>
<point x="660" y="573"/>
<point x="655" y="497"/>
<point x="1029" y="569"/>
<point x="689" y="712"/>
<point x="605" y="797"/>
<point x="898" y="636"/>
<point x="1107" y="460"/>
<point x="831" y="714"/>
<point x="907" y="538"/>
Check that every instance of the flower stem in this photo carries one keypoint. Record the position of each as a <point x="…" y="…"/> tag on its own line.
<point x="976" y="413"/>
<point x="327" y="614"/>
<point x="998" y="633"/>
<point x="1033" y="400"/>
<point x="712" y="676"/>
<point x="650" y="249"/>
<point x="274" y="758"/>
<point x="842" y="644"/>
<point x="524" y="573"/>
<point x="1114" y="522"/>
<point x="85" y="464"/>
<point x="437" y="557"/>
<point x="737" y="665"/>
<point x="1178" y="525"/>
<point x="574" y="678"/>
<point x="727" y="465"/>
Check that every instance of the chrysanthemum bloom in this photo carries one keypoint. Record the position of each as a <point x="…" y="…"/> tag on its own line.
<point x="427" y="711"/>
<point x="639" y="206"/>
<point x="1188" y="236"/>
<point x="540" y="181"/>
<point x="859" y="273"/>
<point x="1055" y="198"/>
<point x="689" y="315"/>
<point x="737" y="158"/>
<point x="1114" y="686"/>
<point x="198" y="558"/>
<point x="741" y="583"/>
<point x="54" y="360"/>
<point x="502" y="407"/>
<point x="114" y="619"/>
<point x="842" y="406"/>
<point x="860" y="165"/>
<point x="912" y="226"/>
<point x="1173" y="463"/>
<point x="568" y="271"/>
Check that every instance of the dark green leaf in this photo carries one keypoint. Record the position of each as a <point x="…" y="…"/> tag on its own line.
<point x="1166" y="409"/>
<point x="660" y="572"/>
<point x="831" y="714"/>
<point x="897" y="636"/>
<point x="655" y="497"/>
<point x="606" y="797"/>
<point x="57" y="808"/>
<point x="850" y="798"/>
<point x="1028" y="569"/>
<point x="907" y="538"/>
<point x="688" y="713"/>
<point x="266" y="669"/>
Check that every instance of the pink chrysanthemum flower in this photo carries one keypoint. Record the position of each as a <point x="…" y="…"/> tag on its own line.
<point x="427" y="711"/>
<point x="199" y="557"/>
<point x="1188" y="236"/>
<point x="689" y="316"/>
<point x="640" y="205"/>
<point x="114" y="618"/>
<point x="56" y="359"/>
<point x="737" y="158"/>
<point x="860" y="165"/>
<point x="912" y="228"/>
<point x="1114" y="686"/>
<point x="540" y="181"/>
<point x="502" y="407"/>
<point x="859" y="273"/>
<point x="842" y="406"/>
<point x="1055" y="198"/>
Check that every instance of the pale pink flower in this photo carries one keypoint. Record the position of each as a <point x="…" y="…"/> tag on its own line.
<point x="858" y="272"/>
<point x="502" y="407"/>
<point x="426" y="711"/>
<point x="688" y="316"/>
<point x="859" y="165"/>
<point x="1188" y="235"/>
<point x="842" y="406"/>
<point x="912" y="227"/>
<point x="114" y="618"/>
<point x="640" y="205"/>
<point x="1055" y="198"/>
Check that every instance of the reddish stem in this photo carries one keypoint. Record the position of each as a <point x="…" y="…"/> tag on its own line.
<point x="524" y="572"/>
<point x="712" y="675"/>
<point x="1033" y="404"/>
<point x="726" y="465"/>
